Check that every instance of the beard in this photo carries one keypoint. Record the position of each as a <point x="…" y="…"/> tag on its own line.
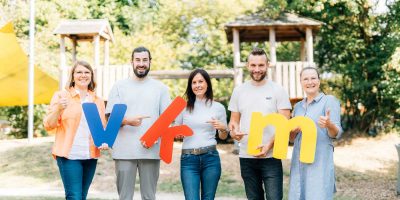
<point x="260" y="78"/>
<point x="141" y="74"/>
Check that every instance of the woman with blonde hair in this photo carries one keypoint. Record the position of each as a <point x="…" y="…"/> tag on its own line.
<point x="74" y="148"/>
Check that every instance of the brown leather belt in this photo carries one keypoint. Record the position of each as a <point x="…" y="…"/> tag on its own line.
<point x="199" y="151"/>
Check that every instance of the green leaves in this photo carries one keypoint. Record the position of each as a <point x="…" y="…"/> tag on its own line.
<point x="359" y="46"/>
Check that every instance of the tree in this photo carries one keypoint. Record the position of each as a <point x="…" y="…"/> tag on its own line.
<point x="359" y="47"/>
<point x="180" y="34"/>
<point x="18" y="118"/>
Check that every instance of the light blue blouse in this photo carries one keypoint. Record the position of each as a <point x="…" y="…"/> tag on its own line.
<point x="203" y="132"/>
<point x="315" y="181"/>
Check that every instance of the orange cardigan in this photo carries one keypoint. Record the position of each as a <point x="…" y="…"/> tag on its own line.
<point x="69" y="120"/>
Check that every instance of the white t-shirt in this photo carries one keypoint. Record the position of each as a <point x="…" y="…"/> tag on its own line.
<point x="80" y="146"/>
<point x="203" y="132"/>
<point x="247" y="98"/>
<point x="149" y="98"/>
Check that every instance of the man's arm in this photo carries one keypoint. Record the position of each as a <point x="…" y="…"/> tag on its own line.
<point x="285" y="112"/>
<point x="234" y="126"/>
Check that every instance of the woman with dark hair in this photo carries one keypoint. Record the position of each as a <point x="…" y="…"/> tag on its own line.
<point x="315" y="180"/>
<point x="200" y="162"/>
<point x="73" y="148"/>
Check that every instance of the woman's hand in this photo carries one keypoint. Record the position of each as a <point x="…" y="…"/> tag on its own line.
<point x="62" y="102"/>
<point x="217" y="124"/>
<point x="325" y="121"/>
<point x="293" y="134"/>
<point x="104" y="146"/>
<point x="180" y="137"/>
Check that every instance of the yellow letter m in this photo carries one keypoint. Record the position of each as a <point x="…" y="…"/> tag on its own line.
<point x="283" y="127"/>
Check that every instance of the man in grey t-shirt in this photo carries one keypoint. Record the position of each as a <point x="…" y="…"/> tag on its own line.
<point x="146" y="99"/>
<point x="265" y="96"/>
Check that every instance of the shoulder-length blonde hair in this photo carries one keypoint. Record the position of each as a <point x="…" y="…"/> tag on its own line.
<point x="92" y="84"/>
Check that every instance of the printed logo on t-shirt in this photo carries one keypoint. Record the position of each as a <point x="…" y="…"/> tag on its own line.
<point x="268" y="98"/>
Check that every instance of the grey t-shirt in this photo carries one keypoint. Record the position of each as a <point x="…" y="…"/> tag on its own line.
<point x="247" y="98"/>
<point x="149" y="98"/>
<point x="203" y="132"/>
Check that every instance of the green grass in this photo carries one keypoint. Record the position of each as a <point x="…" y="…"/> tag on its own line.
<point x="35" y="161"/>
<point x="32" y="161"/>
<point x="230" y="187"/>
<point x="36" y="198"/>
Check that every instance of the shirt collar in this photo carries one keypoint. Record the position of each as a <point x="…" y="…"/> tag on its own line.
<point x="315" y="100"/>
<point x="74" y="92"/>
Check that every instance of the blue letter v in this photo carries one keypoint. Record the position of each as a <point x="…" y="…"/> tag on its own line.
<point x="100" y="135"/>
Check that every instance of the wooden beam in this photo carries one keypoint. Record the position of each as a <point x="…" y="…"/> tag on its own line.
<point x="272" y="46"/>
<point x="236" y="48"/>
<point x="302" y="50"/>
<point x="74" y="44"/>
<point x="238" y="78"/>
<point x="106" y="66"/>
<point x="310" y="50"/>
<point x="258" y="33"/>
<point x="184" y="74"/>
<point x="63" y="65"/>
<point x="96" y="64"/>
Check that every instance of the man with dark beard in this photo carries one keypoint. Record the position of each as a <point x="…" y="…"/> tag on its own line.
<point x="146" y="99"/>
<point x="265" y="96"/>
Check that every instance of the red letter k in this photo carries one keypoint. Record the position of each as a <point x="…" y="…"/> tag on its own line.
<point x="161" y="128"/>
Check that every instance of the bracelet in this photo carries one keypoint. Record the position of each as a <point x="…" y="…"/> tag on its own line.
<point x="225" y="131"/>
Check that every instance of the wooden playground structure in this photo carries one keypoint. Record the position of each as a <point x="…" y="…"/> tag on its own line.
<point x="253" y="28"/>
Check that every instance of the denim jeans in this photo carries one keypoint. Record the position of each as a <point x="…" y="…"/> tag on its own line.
<point x="76" y="175"/>
<point x="255" y="172"/>
<point x="204" y="170"/>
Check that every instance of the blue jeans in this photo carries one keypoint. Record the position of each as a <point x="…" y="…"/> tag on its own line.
<point x="76" y="175"/>
<point x="204" y="169"/>
<point x="255" y="172"/>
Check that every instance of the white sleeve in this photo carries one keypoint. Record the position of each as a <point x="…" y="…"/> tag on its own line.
<point x="113" y="98"/>
<point x="165" y="99"/>
<point x="282" y="100"/>
<point x="233" y="103"/>
<point x="222" y="114"/>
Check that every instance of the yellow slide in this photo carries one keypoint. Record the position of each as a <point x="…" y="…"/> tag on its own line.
<point x="14" y="73"/>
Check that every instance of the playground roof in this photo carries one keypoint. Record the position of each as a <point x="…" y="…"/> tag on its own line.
<point x="85" y="29"/>
<point x="255" y="27"/>
<point x="14" y="73"/>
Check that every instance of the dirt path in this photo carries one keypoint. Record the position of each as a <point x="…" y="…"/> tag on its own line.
<point x="57" y="193"/>
<point x="366" y="168"/>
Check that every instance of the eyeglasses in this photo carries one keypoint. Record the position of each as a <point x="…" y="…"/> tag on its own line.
<point x="82" y="73"/>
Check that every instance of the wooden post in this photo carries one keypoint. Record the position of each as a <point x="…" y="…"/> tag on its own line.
<point x="63" y="64"/>
<point x="302" y="50"/>
<point x="272" y="53"/>
<point x="106" y="66"/>
<point x="309" y="41"/>
<point x="74" y="44"/>
<point x="292" y="80"/>
<point x="299" y="90"/>
<point x="236" y="58"/>
<point x="96" y="64"/>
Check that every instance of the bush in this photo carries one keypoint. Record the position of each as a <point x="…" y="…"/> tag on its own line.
<point x="18" y="118"/>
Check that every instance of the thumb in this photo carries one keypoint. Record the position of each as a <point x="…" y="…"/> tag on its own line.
<point x="328" y="112"/>
<point x="260" y="146"/>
